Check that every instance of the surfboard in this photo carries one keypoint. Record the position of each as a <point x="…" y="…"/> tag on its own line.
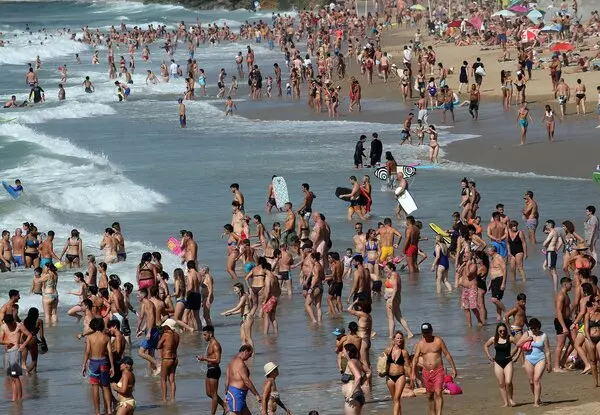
<point x="406" y="201"/>
<point x="174" y="245"/>
<point x="428" y="166"/>
<point x="441" y="232"/>
<point x="10" y="190"/>
<point x="281" y="191"/>
<point x="6" y="120"/>
<point x="342" y="191"/>
<point x="596" y="176"/>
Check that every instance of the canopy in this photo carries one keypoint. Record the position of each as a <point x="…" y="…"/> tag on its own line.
<point x="552" y="28"/>
<point x="535" y="16"/>
<point x="504" y="13"/>
<point x="518" y="9"/>
<point x="562" y="47"/>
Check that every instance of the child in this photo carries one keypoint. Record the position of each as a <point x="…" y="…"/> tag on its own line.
<point x="17" y="188"/>
<point x="347" y="263"/>
<point x="288" y="90"/>
<point x="229" y="106"/>
<point x="234" y="86"/>
<point x="182" y="118"/>
<point x="420" y="131"/>
<point x="451" y="388"/>
<point x="269" y="86"/>
<point x="36" y="284"/>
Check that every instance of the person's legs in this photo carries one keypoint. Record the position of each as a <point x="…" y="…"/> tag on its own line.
<point x="439" y="402"/>
<point x="499" y="372"/>
<point x="560" y="343"/>
<point x="508" y="377"/>
<point x="96" y="398"/>
<point x="538" y="372"/>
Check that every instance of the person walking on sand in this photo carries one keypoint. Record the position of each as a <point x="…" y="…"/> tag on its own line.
<point x="523" y="118"/>
<point x="430" y="348"/>
<point x="502" y="361"/>
<point x="537" y="357"/>
<point x="550" y="122"/>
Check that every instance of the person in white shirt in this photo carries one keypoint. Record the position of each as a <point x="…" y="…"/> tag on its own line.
<point x="173" y="68"/>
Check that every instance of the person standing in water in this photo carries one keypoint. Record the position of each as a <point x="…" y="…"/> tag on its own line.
<point x="182" y="118"/>
<point x="213" y="370"/>
<point x="523" y="118"/>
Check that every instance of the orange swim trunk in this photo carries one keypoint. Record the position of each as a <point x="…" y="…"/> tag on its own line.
<point x="433" y="380"/>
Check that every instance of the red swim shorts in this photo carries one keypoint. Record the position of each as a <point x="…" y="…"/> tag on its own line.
<point x="412" y="250"/>
<point x="433" y="380"/>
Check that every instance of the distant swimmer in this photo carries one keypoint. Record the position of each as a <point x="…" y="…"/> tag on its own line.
<point x="229" y="106"/>
<point x="61" y="93"/>
<point x="37" y="94"/>
<point x="17" y="188"/>
<point x="151" y="77"/>
<point x="182" y="119"/>
<point x="88" y="86"/>
<point x="11" y="103"/>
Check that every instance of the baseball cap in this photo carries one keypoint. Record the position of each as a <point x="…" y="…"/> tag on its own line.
<point x="339" y="332"/>
<point x="426" y="327"/>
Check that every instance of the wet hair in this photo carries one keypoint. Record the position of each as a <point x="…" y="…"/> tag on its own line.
<point x="565" y="280"/>
<point x="97" y="324"/>
<point x="75" y="233"/>
<point x="128" y="287"/>
<point x="246" y="348"/>
<point x="157" y="256"/>
<point x="38" y="271"/>
<point x="353" y="327"/>
<point x="228" y="227"/>
<point x="114" y="284"/>
<point x="591" y="208"/>
<point x="234" y="186"/>
<point x="306" y="186"/>
<point x="352" y="350"/>
<point x="521" y="296"/>
<point x="258" y="218"/>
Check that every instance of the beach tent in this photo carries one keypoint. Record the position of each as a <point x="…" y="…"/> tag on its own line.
<point x="535" y="16"/>
<point x="529" y="35"/>
<point x="504" y="13"/>
<point x="552" y="28"/>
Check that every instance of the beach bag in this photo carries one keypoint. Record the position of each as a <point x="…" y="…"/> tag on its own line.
<point x="480" y="71"/>
<point x="382" y="365"/>
<point x="528" y="345"/>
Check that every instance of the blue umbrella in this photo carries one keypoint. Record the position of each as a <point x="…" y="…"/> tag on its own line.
<point x="552" y="28"/>
<point x="535" y="16"/>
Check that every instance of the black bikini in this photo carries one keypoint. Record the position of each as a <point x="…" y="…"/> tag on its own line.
<point x="592" y="324"/>
<point x="398" y="362"/>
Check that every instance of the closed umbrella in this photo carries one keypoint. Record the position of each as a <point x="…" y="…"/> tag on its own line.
<point x="529" y="35"/>
<point x="504" y="13"/>
<point x="562" y="47"/>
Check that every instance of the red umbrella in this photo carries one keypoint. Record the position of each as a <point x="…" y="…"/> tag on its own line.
<point x="562" y="47"/>
<point x="529" y="35"/>
<point x="457" y="23"/>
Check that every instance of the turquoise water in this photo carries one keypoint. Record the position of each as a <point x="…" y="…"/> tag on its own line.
<point x="90" y="160"/>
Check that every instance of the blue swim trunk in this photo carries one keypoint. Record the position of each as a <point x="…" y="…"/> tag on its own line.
<point x="153" y="342"/>
<point x="449" y="106"/>
<point x="500" y="248"/>
<point x="99" y="372"/>
<point x="523" y="122"/>
<point x="236" y="399"/>
<point x="18" y="260"/>
<point x="248" y="266"/>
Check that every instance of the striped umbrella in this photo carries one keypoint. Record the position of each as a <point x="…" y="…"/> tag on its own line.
<point x="529" y="35"/>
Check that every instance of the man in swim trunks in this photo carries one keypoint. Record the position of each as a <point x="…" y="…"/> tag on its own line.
<point x="530" y="214"/>
<point x="147" y="319"/>
<point x="497" y="232"/>
<point x="238" y="382"/>
<point x="562" y="324"/>
<point x="182" y="119"/>
<point x="428" y="353"/>
<point x="523" y="118"/>
<point x="14" y="337"/>
<point x="213" y="370"/>
<point x="88" y="86"/>
<point x="361" y="285"/>
<point x="411" y="244"/>
<point x="189" y="247"/>
<point x="406" y="129"/>
<point x="498" y="282"/>
<point x="98" y="353"/>
<point x="11" y="103"/>
<point x="552" y="245"/>
<point x="306" y="208"/>
<point x="31" y="78"/>
<point x="387" y="233"/>
<point x="18" y="247"/>
<point x="562" y="94"/>
<point x="519" y="314"/>
<point x="359" y="240"/>
<point x="289" y="235"/>
<point x="448" y="103"/>
<point x="6" y="256"/>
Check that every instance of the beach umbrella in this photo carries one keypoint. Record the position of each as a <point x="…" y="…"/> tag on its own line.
<point x="457" y="23"/>
<point x="514" y="2"/>
<point x="551" y="28"/>
<point x="535" y="16"/>
<point x="417" y="7"/>
<point x="529" y="35"/>
<point x="518" y="9"/>
<point x="562" y="47"/>
<point x="476" y="22"/>
<point x="504" y="13"/>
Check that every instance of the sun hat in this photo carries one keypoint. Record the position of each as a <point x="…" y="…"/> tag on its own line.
<point x="270" y="367"/>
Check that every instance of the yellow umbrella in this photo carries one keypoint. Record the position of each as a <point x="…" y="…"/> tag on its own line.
<point x="417" y="7"/>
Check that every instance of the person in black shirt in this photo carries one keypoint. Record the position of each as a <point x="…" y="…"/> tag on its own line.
<point x="359" y="152"/>
<point x="37" y="94"/>
<point x="376" y="150"/>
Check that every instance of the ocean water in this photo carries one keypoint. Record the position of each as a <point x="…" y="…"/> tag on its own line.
<point x="91" y="160"/>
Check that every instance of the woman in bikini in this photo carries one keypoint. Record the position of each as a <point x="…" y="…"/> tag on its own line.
<point x="502" y="361"/>
<point x="73" y="250"/>
<point x="465" y="200"/>
<point x="550" y="122"/>
<point x="393" y="299"/>
<point x="580" y="97"/>
<point x="434" y="148"/>
<point x="126" y="402"/>
<point x="255" y="279"/>
<point x="146" y="272"/>
<point x="244" y="309"/>
<point x="32" y="243"/>
<point x="233" y="253"/>
<point x="352" y="380"/>
<point x="570" y="240"/>
<point x="362" y="311"/>
<point x="397" y="368"/>
<point x="592" y="333"/>
<point x="373" y="252"/>
<point x="179" y="293"/>
<point x="49" y="280"/>
<point x="82" y="294"/>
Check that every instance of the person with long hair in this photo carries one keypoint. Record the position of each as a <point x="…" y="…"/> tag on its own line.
<point x="49" y="281"/>
<point x="362" y="311"/>
<point x="517" y="250"/>
<point x="397" y="369"/>
<point x="502" y="361"/>
<point x="592" y="334"/>
<point x="441" y="264"/>
<point x="35" y="325"/>
<point x="146" y="273"/>
<point x="242" y="308"/>
<point x="179" y="293"/>
<point x="393" y="299"/>
<point x="570" y="240"/>
<point x="483" y="265"/>
<point x="536" y="346"/>
<point x="352" y="380"/>
<point x="73" y="250"/>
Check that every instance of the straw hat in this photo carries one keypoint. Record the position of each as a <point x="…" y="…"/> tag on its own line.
<point x="581" y="246"/>
<point x="269" y="367"/>
<point x="170" y="323"/>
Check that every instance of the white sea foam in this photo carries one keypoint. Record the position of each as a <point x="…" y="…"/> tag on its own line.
<point x="20" y="51"/>
<point x="67" y="110"/>
<point x="133" y="7"/>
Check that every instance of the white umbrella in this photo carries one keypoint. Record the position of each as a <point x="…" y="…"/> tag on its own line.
<point x="504" y="13"/>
